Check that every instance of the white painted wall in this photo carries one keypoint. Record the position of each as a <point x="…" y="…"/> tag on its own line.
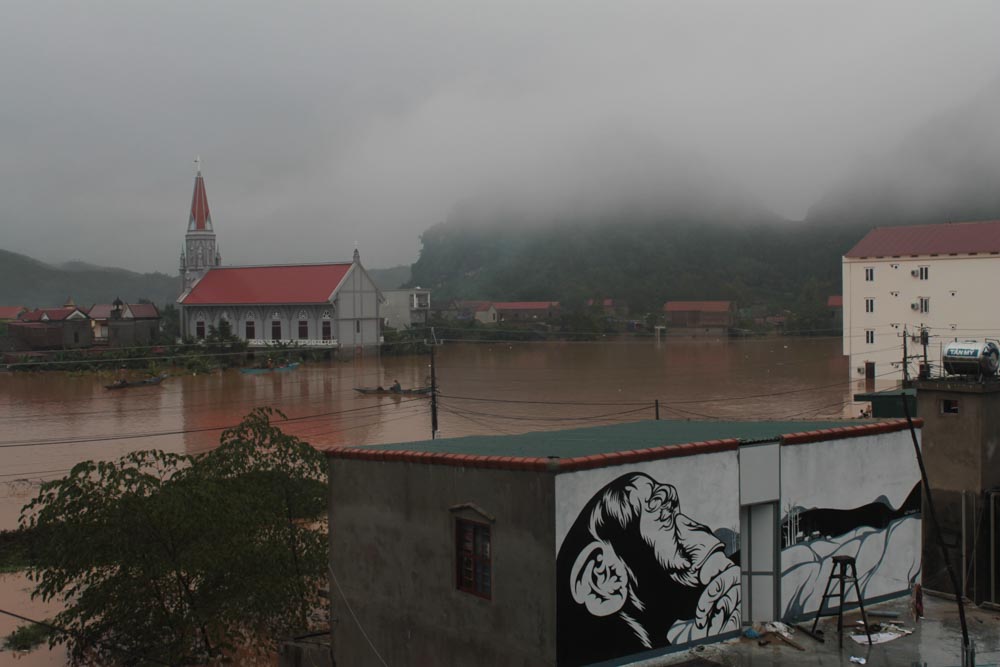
<point x="358" y="310"/>
<point x="961" y="306"/>
<point x="846" y="474"/>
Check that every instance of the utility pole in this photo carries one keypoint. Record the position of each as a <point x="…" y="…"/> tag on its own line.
<point x="434" y="403"/>
<point x="925" y="370"/>
<point x="906" y="360"/>
<point x="657" y="409"/>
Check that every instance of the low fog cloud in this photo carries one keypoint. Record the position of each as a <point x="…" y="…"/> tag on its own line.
<point x="323" y="125"/>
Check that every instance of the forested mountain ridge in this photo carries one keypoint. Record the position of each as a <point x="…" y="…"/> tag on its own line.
<point x="29" y="282"/>
<point x="782" y="266"/>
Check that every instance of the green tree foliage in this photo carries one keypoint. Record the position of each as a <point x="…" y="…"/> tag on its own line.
<point x="184" y="559"/>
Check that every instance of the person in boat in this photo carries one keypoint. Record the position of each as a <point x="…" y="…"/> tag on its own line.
<point x="396" y="388"/>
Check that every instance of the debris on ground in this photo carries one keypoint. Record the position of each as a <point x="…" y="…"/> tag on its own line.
<point x="858" y="660"/>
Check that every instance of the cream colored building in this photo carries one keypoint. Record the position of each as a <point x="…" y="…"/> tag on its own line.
<point x="935" y="277"/>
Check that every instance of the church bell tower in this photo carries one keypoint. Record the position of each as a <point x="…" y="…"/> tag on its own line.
<point x="200" y="252"/>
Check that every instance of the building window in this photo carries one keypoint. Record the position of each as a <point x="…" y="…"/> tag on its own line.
<point x="949" y="406"/>
<point x="925" y="304"/>
<point x="869" y="274"/>
<point x="303" y="329"/>
<point x="199" y="329"/>
<point x="327" y="330"/>
<point x="924" y="272"/>
<point x="870" y="336"/>
<point x="869" y="305"/>
<point x="76" y="336"/>
<point x="275" y="329"/>
<point x="251" y="330"/>
<point x="357" y="326"/>
<point x="472" y="556"/>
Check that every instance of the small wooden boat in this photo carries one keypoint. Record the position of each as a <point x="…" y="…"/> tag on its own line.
<point x="125" y="384"/>
<point x="276" y="369"/>
<point x="379" y="391"/>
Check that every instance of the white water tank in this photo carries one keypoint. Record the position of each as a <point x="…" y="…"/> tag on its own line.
<point x="971" y="357"/>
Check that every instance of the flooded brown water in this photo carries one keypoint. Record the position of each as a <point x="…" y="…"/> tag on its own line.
<point x="53" y="420"/>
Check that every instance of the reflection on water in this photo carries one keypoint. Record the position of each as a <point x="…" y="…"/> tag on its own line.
<point x="53" y="421"/>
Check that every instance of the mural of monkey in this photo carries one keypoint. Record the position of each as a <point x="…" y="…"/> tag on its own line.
<point x="634" y="573"/>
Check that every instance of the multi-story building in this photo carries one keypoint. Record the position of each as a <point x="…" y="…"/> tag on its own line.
<point x="405" y="308"/>
<point x="933" y="278"/>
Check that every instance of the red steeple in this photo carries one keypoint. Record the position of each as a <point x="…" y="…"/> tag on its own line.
<point x="201" y="219"/>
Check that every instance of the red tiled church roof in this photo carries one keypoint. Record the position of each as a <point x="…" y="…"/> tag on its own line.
<point x="940" y="239"/>
<point x="699" y="306"/>
<point x="296" y="283"/>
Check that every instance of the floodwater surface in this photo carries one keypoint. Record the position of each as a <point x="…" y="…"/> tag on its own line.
<point x="52" y="421"/>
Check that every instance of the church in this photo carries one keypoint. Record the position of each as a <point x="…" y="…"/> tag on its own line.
<point x="328" y="305"/>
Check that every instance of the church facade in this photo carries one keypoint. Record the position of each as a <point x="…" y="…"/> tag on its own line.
<point x="326" y="305"/>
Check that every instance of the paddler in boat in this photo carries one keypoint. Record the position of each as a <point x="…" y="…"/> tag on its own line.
<point x="396" y="388"/>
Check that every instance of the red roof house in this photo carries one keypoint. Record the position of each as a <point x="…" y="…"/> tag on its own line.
<point x="10" y="312"/>
<point x="526" y="310"/>
<point x="699" y="314"/>
<point x="835" y="301"/>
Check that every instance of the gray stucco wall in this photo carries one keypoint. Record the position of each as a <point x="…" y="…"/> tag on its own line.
<point x="392" y="545"/>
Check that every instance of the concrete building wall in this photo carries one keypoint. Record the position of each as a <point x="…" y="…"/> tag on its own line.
<point x="855" y="496"/>
<point x="405" y="307"/>
<point x="645" y="557"/>
<point x="958" y="292"/>
<point x="358" y="306"/>
<point x="393" y="554"/>
<point x="961" y="449"/>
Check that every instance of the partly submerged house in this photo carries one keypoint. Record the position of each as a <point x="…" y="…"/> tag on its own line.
<point x="52" y="328"/>
<point x="699" y="318"/>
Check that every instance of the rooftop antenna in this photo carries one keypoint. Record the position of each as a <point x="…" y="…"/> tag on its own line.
<point x="197" y="164"/>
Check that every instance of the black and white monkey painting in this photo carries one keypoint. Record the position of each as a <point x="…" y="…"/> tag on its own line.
<point x="635" y="573"/>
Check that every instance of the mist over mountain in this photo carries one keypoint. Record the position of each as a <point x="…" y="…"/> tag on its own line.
<point x="29" y="282"/>
<point x="947" y="169"/>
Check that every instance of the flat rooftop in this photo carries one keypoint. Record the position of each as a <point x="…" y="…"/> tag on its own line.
<point x="618" y="443"/>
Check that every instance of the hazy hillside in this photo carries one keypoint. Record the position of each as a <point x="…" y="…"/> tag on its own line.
<point x="391" y="278"/>
<point x="27" y="281"/>
<point x="947" y="169"/>
<point x="643" y="263"/>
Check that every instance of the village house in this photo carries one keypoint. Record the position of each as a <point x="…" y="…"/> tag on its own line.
<point x="122" y="324"/>
<point x="406" y="308"/>
<point x="919" y="277"/>
<point x="699" y="318"/>
<point x="483" y="312"/>
<point x="526" y="311"/>
<point x="610" y="544"/>
<point x="52" y="329"/>
<point x="609" y="307"/>
<point x="835" y="307"/>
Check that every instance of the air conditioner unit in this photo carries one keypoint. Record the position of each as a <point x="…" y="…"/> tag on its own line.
<point x="915" y="306"/>
<point x="915" y="272"/>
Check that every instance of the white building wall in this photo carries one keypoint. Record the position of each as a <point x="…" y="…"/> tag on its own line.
<point x="858" y="489"/>
<point x="958" y="289"/>
<point x="358" y="310"/>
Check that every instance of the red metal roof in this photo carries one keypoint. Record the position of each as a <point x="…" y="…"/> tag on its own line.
<point x="699" y="306"/>
<point x="525" y="305"/>
<point x="941" y="239"/>
<point x="201" y="218"/>
<point x="835" y="301"/>
<point x="477" y="306"/>
<point x="273" y="285"/>
<point x="11" y="312"/>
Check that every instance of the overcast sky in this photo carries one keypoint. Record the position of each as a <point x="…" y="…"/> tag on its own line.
<point x="321" y="125"/>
